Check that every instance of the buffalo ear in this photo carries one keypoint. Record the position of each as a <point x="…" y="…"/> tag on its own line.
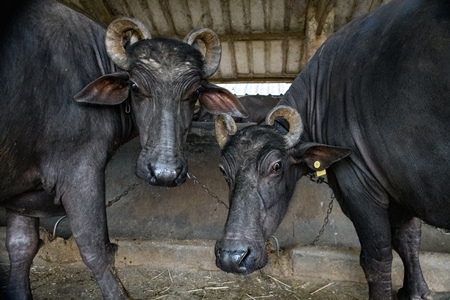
<point x="109" y="89"/>
<point x="217" y="100"/>
<point x="318" y="156"/>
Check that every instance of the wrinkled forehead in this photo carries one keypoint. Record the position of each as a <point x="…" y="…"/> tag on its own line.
<point x="162" y="53"/>
<point x="250" y="143"/>
<point x="167" y="66"/>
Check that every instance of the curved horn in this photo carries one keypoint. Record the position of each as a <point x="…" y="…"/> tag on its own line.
<point x="213" y="48"/>
<point x="115" y="34"/>
<point x="295" y="123"/>
<point x="225" y="126"/>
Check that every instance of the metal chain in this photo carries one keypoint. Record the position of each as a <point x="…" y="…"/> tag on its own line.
<point x="325" y="221"/>
<point x="312" y="177"/>
<point x="124" y="193"/>
<point x="315" y="179"/>
<point x="196" y="181"/>
<point x="109" y="204"/>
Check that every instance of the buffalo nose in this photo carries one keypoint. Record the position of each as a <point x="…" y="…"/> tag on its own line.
<point x="166" y="176"/>
<point x="240" y="256"/>
<point x="232" y="261"/>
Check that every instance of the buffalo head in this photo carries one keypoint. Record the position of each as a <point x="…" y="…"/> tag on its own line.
<point x="160" y="81"/>
<point x="261" y="166"/>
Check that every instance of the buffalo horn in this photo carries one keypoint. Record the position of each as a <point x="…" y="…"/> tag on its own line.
<point x="224" y="126"/>
<point x="295" y="123"/>
<point x="115" y="34"/>
<point x="213" y="48"/>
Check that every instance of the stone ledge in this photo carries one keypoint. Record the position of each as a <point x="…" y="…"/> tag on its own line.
<point x="315" y="262"/>
<point x="342" y="264"/>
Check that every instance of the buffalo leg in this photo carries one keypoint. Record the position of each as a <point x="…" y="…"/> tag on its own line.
<point x="372" y="225"/>
<point x="374" y="232"/>
<point x="85" y="207"/>
<point x="22" y="243"/>
<point x="376" y="251"/>
<point x="406" y="241"/>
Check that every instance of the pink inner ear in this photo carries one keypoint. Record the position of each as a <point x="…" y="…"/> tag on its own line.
<point x="217" y="100"/>
<point x="111" y="89"/>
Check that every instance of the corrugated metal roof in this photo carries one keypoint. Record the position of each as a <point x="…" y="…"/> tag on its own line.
<point x="262" y="40"/>
<point x="242" y="89"/>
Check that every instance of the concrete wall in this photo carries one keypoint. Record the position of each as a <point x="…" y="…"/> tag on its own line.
<point x="190" y="212"/>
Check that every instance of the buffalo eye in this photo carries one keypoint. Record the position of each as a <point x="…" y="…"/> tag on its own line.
<point x="276" y="166"/>
<point x="198" y="92"/>
<point x="133" y="86"/>
<point x="222" y="170"/>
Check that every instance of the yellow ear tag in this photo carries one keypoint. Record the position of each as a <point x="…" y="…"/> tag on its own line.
<point x="321" y="172"/>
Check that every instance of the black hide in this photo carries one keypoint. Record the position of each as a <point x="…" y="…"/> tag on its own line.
<point x="54" y="150"/>
<point x="380" y="86"/>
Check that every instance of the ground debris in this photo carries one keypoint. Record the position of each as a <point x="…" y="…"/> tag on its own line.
<point x="74" y="281"/>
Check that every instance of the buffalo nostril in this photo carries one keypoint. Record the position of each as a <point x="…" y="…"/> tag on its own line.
<point x="232" y="261"/>
<point x="240" y="257"/>
<point x="151" y="172"/>
<point x="165" y="175"/>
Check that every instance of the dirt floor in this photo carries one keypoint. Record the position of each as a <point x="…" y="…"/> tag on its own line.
<point x="75" y="282"/>
<point x="57" y="273"/>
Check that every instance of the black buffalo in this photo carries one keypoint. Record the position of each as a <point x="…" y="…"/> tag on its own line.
<point x="374" y="111"/>
<point x="71" y="93"/>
